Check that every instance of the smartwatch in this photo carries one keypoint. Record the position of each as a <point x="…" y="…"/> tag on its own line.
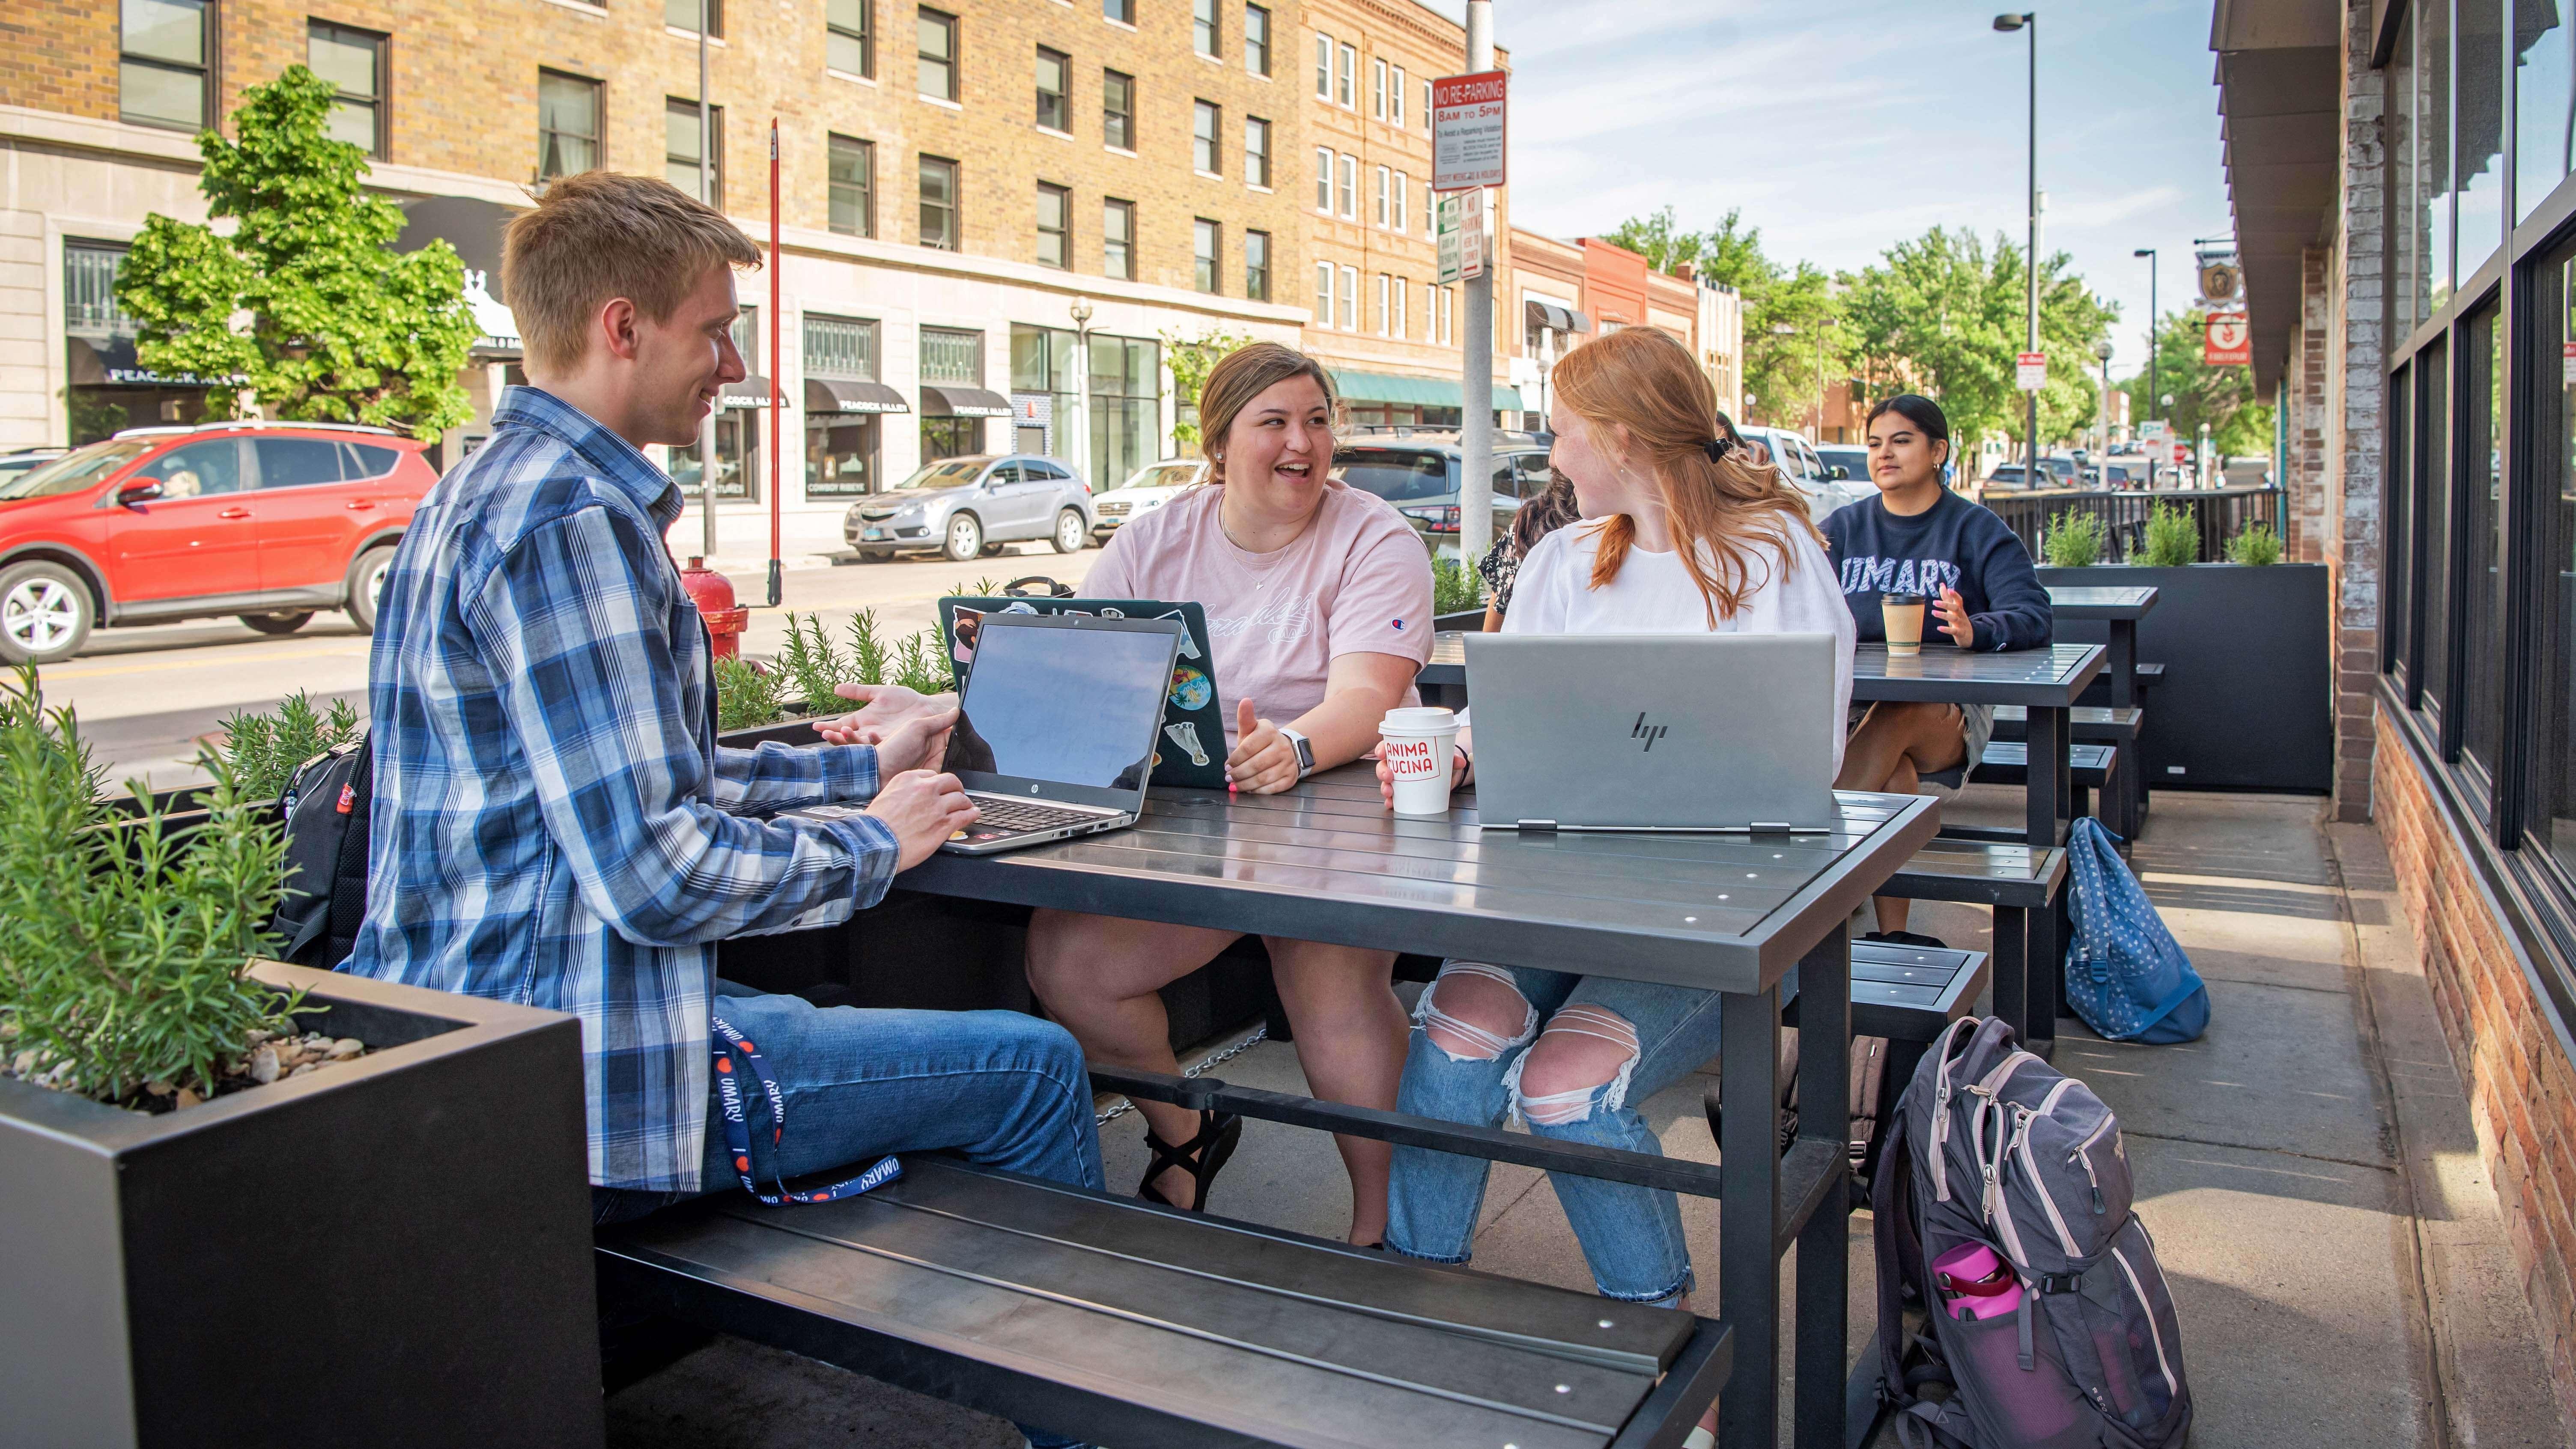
<point x="1305" y="749"/>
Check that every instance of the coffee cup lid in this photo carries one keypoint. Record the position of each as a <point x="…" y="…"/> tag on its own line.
<point x="1425" y="720"/>
<point x="1891" y="596"/>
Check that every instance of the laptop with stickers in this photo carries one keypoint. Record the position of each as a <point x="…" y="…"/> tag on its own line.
<point x="1190" y="751"/>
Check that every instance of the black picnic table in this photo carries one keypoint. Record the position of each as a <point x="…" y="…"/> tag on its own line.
<point x="2121" y="608"/>
<point x="1326" y="861"/>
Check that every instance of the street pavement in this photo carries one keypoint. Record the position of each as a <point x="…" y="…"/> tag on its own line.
<point x="146" y="696"/>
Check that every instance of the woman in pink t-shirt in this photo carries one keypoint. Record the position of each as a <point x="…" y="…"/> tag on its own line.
<point x="1318" y="600"/>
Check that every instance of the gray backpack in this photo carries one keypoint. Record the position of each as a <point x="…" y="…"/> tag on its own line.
<point x="1990" y="1145"/>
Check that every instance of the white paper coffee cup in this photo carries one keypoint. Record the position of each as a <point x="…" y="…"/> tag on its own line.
<point x="1418" y="746"/>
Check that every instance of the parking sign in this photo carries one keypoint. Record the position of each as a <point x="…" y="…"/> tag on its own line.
<point x="2030" y="371"/>
<point x="1467" y="131"/>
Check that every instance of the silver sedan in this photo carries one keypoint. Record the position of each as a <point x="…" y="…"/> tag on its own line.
<point x="965" y="507"/>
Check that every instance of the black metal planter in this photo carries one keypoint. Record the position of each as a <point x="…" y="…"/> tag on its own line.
<point x="395" y="1251"/>
<point x="2247" y="701"/>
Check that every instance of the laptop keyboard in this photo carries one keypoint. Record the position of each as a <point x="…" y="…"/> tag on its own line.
<point x="999" y="813"/>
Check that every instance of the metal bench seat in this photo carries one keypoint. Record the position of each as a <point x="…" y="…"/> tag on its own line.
<point x="1909" y="993"/>
<point x="2099" y="725"/>
<point x="2022" y="884"/>
<point x="1135" y="1325"/>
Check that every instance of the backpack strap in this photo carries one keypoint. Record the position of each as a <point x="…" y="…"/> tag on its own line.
<point x="348" y="909"/>
<point x="1891" y="1227"/>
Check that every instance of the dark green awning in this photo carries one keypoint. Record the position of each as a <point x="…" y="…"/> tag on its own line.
<point x="1419" y="392"/>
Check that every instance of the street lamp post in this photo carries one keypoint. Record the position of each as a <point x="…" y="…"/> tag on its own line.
<point x="2029" y="20"/>
<point x="2102" y="350"/>
<point x="1079" y="435"/>
<point x="2154" y="326"/>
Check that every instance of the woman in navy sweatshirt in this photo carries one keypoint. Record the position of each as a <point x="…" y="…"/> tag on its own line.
<point x="1918" y="537"/>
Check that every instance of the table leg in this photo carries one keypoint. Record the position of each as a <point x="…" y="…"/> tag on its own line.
<point x="2124" y="663"/>
<point x="2048" y="786"/>
<point x="2048" y="936"/>
<point x="2012" y="968"/>
<point x="1824" y="1240"/>
<point x="1748" y="1225"/>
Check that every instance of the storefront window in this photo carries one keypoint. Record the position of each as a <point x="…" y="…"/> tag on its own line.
<point x="2433" y="515"/>
<point x="1126" y="397"/>
<point x="2398" y="564"/>
<point x="844" y="451"/>
<point x="2550" y="819"/>
<point x="109" y="388"/>
<point x="2544" y="101"/>
<point x="951" y="356"/>
<point x="2433" y="151"/>
<point x="2481" y="423"/>
<point x="2405" y="221"/>
<point x="741" y="431"/>
<point x="2481" y="124"/>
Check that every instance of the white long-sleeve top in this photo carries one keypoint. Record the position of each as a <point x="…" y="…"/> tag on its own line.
<point x="1654" y="594"/>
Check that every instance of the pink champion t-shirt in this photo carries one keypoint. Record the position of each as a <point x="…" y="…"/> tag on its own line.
<point x="1356" y="582"/>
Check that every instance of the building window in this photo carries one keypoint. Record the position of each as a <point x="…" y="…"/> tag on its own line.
<point x="1402" y="189"/>
<point x="2480" y="419"/>
<point x="1055" y="82"/>
<point x="935" y="42"/>
<point x="567" y="125"/>
<point x="1256" y="265"/>
<point x="1125" y="384"/>
<point x="1055" y="227"/>
<point x="161" y="73"/>
<point x="939" y="203"/>
<point x="1256" y="151"/>
<point x="1118" y="110"/>
<point x="842" y="449"/>
<point x="683" y="15"/>
<point x="1256" y="40"/>
<point x="1395" y="98"/>
<point x="1323" y="67"/>
<point x="1118" y="240"/>
<point x="853" y="181"/>
<point x="739" y="435"/>
<point x="849" y="36"/>
<point x="1323" y="294"/>
<point x="2550" y="817"/>
<point x="353" y="61"/>
<point x="1350" y="188"/>
<point x="1122" y="11"/>
<point x="1203" y="245"/>
<point x="680" y="155"/>
<point x="950" y="354"/>
<point x="1346" y="78"/>
<point x="1203" y="143"/>
<point x="1448" y="315"/>
<point x="1385" y="302"/>
<point x="1377" y="89"/>
<point x="1382" y="209"/>
<point x="1396" y="324"/>
<point x="1324" y="179"/>
<point x="1350" y="299"/>
<point x="1203" y="32"/>
<point x="1426" y="105"/>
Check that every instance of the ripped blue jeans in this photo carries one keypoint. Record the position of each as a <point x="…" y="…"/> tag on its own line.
<point x="1631" y="1236"/>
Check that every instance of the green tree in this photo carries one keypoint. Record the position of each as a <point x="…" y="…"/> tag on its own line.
<point x="1191" y="359"/>
<point x="2222" y="397"/>
<point x="1793" y="339"/>
<point x="339" y="329"/>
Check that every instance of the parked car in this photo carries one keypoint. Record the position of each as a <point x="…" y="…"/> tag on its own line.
<point x="1147" y="489"/>
<point x="2009" y="478"/>
<point x="1418" y="472"/>
<point x="966" y="507"/>
<point x="1851" y="459"/>
<point x="20" y="460"/>
<point x="1807" y="472"/>
<point x="268" y="521"/>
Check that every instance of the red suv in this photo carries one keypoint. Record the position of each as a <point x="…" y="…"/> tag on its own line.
<point x="269" y="521"/>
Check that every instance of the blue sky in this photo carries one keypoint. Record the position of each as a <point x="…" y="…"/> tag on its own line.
<point x="1841" y="126"/>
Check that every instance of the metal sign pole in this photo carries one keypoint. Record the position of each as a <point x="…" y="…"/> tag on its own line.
<point x="1476" y="376"/>
<point x="706" y="193"/>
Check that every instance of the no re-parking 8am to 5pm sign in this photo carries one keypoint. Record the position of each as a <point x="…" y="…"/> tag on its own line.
<point x="1467" y="131"/>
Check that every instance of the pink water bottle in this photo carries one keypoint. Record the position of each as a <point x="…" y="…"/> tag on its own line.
<point x="1975" y="1283"/>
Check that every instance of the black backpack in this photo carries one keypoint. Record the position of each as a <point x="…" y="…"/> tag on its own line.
<point x="325" y="808"/>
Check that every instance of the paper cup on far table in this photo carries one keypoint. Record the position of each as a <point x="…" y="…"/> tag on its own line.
<point x="1417" y="745"/>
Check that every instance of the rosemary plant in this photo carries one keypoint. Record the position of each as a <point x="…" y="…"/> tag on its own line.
<point x="2075" y="542"/>
<point x="1455" y="587"/>
<point x="746" y="695"/>
<point x="2172" y="539"/>
<point x="264" y="750"/>
<point x="2258" y="544"/>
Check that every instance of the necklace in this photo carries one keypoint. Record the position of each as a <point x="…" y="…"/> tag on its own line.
<point x="1269" y="563"/>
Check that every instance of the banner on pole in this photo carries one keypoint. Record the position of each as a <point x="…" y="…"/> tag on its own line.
<point x="2230" y="342"/>
<point x="2030" y="371"/>
<point x="1467" y="130"/>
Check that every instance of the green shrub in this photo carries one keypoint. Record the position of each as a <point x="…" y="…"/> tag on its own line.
<point x="810" y="664"/>
<point x="921" y="664"/>
<point x="1455" y="588"/>
<point x="746" y="695"/>
<point x="122" y="942"/>
<point x="2173" y="539"/>
<point x="263" y="750"/>
<point x="2258" y="544"/>
<point x="2075" y="542"/>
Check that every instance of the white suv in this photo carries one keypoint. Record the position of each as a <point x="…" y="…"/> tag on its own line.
<point x="1807" y="472"/>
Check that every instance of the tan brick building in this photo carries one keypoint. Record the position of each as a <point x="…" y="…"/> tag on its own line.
<point x="955" y="181"/>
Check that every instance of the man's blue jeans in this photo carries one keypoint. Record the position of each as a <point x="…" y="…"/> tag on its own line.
<point x="1631" y="1236"/>
<point x="995" y="1087"/>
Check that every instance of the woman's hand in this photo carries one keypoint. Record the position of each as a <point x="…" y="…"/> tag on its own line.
<point x="882" y="707"/>
<point x="1263" y="762"/>
<point x="1954" y="619"/>
<point x="1462" y="769"/>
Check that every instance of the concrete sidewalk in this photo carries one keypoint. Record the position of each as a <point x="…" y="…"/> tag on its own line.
<point x="2307" y="1170"/>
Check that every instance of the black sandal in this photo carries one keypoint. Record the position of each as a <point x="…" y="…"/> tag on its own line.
<point x="1200" y="1157"/>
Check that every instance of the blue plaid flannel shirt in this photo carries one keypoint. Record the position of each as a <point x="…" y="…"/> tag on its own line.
<point x="554" y="823"/>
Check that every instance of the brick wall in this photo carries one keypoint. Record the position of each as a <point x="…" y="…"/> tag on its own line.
<point x="2521" y="1089"/>
<point x="2303" y="400"/>
<point x="2357" y="388"/>
<point x="59" y="55"/>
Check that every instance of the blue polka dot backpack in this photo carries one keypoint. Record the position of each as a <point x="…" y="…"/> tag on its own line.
<point x="2124" y="974"/>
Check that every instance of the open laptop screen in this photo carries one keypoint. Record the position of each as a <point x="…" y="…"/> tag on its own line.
<point x="1072" y="706"/>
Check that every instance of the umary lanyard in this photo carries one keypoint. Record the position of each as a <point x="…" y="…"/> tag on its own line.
<point x="730" y="1043"/>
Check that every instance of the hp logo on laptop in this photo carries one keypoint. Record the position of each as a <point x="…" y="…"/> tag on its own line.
<point x="1648" y="733"/>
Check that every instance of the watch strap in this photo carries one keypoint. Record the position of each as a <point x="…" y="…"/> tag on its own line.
<point x="1305" y="749"/>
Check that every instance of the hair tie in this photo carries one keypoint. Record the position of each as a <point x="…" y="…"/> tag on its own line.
<point x="1718" y="448"/>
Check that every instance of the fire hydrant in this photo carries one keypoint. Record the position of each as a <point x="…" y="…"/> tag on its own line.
<point x="712" y="592"/>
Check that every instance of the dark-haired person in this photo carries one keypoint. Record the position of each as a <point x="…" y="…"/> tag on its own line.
<point x="1318" y="599"/>
<point x="1918" y="537"/>
<point x="1536" y="518"/>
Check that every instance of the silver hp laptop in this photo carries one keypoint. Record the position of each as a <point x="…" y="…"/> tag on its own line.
<point x="1682" y="732"/>
<point x="1055" y="736"/>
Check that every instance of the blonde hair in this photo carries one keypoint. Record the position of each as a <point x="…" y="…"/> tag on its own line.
<point x="1240" y="376"/>
<point x="1640" y="379"/>
<point x="598" y="236"/>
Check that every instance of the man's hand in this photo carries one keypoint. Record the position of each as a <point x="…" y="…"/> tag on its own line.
<point x="882" y="707"/>
<point x="1263" y="762"/>
<point x="923" y="810"/>
<point x="916" y="742"/>
<point x="1954" y="619"/>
